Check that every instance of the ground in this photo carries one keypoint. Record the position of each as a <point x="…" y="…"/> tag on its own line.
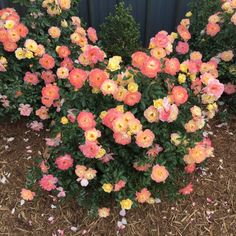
<point x="209" y="210"/>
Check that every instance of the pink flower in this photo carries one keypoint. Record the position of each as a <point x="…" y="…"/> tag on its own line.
<point x="151" y="67"/>
<point x="168" y="112"/>
<point x="122" y="138"/>
<point x="119" y="185"/>
<point x="186" y="190"/>
<point x="86" y="120"/>
<point x="27" y="194"/>
<point x="36" y="126"/>
<point x="89" y="149"/>
<point x="64" y="162"/>
<point x="229" y="88"/>
<point x="53" y="142"/>
<point x="172" y="66"/>
<point x="138" y="58"/>
<point x="145" y="138"/>
<point x="48" y="76"/>
<point x="111" y="115"/>
<point x="107" y="157"/>
<point x="48" y="182"/>
<point x="44" y="168"/>
<point x="233" y="18"/>
<point x="212" y="29"/>
<point x="92" y="35"/>
<point x="214" y="88"/>
<point x="179" y="95"/>
<point x="182" y="47"/>
<point x="161" y="39"/>
<point x="132" y="98"/>
<point x="143" y="196"/>
<point x="154" y="151"/>
<point x="61" y="193"/>
<point x="25" y="109"/>
<point x="104" y="212"/>
<point x="190" y="168"/>
<point x="31" y="78"/>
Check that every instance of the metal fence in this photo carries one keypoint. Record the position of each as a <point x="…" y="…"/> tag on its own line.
<point x="152" y="15"/>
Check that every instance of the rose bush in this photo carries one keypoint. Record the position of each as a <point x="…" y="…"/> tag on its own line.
<point x="213" y="28"/>
<point x="128" y="133"/>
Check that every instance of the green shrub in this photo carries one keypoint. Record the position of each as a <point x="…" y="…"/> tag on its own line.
<point x="120" y="34"/>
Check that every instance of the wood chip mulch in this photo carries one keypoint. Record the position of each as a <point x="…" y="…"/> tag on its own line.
<point x="209" y="210"/>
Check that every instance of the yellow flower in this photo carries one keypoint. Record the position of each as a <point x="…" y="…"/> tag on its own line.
<point x="188" y="14"/>
<point x="192" y="77"/>
<point x="3" y="60"/>
<point x="212" y="107"/>
<point x="183" y="68"/>
<point x="64" y="24"/>
<point x="101" y="153"/>
<point x="181" y="78"/>
<point x="158" y="103"/>
<point x="120" y="108"/>
<point x="29" y="54"/>
<point x="175" y="139"/>
<point x="174" y="35"/>
<point x="133" y="87"/>
<point x="103" y="114"/>
<point x="151" y="200"/>
<point x="31" y="45"/>
<point x="91" y="135"/>
<point x="107" y="188"/>
<point x="9" y="24"/>
<point x="20" y="54"/>
<point x="126" y="204"/>
<point x="95" y="90"/>
<point x="114" y="63"/>
<point x="64" y="120"/>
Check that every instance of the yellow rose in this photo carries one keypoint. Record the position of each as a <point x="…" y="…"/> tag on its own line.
<point x="126" y="204"/>
<point x="3" y="60"/>
<point x="114" y="63"/>
<point x="133" y="87"/>
<point x="193" y="77"/>
<point x="175" y="139"/>
<point x="151" y="200"/>
<point x="95" y="90"/>
<point x="29" y="54"/>
<point x="103" y="114"/>
<point x="64" y="24"/>
<point x="188" y="14"/>
<point x="181" y="78"/>
<point x="158" y="103"/>
<point x="101" y="153"/>
<point x="107" y="188"/>
<point x="9" y="24"/>
<point x="174" y="35"/>
<point x="183" y="68"/>
<point x="120" y="108"/>
<point x="31" y="45"/>
<point x="64" y="120"/>
<point x="20" y="53"/>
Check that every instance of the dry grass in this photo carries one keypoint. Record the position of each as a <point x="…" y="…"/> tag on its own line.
<point x="210" y="210"/>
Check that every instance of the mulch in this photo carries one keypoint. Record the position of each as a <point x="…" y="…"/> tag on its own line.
<point x="209" y="210"/>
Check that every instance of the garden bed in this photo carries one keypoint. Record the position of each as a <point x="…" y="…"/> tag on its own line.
<point x="209" y="210"/>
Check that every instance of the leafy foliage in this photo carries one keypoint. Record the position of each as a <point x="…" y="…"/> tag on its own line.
<point x="120" y="34"/>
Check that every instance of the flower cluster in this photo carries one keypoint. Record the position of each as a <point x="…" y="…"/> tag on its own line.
<point x="211" y="40"/>
<point x="11" y="29"/>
